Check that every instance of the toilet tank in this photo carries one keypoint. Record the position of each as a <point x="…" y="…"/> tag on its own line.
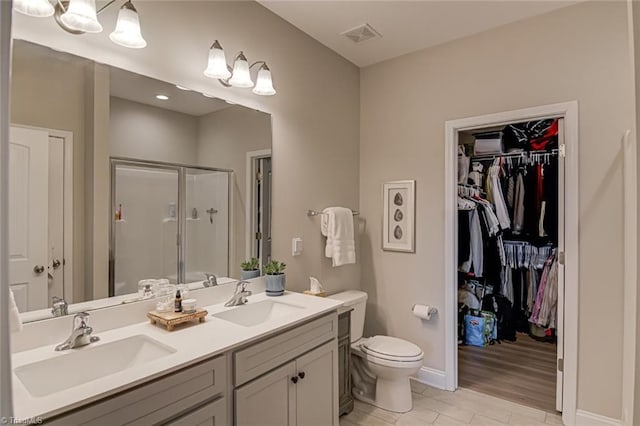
<point x="358" y="301"/>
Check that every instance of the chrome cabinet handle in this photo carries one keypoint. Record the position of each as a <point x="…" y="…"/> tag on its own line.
<point x="38" y="269"/>
<point x="56" y="263"/>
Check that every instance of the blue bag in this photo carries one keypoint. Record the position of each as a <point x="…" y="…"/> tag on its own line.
<point x="474" y="330"/>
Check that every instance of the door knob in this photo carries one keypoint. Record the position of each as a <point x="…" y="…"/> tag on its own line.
<point x="301" y="375"/>
<point x="294" y="379"/>
<point x="38" y="269"/>
<point x="56" y="263"/>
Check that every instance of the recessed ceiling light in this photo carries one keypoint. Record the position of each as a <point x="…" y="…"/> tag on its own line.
<point x="206" y="95"/>
<point x="182" y="87"/>
<point x="162" y="97"/>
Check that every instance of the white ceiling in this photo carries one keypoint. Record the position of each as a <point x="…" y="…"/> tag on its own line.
<point x="405" y="26"/>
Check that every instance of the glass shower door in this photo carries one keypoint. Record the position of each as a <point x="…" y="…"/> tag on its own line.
<point x="144" y="230"/>
<point x="207" y="224"/>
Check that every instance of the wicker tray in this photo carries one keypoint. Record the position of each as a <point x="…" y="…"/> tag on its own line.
<point x="171" y="319"/>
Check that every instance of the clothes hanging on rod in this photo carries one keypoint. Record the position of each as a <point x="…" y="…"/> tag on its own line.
<point x="545" y="308"/>
<point x="496" y="195"/>
<point x="513" y="248"/>
<point x="478" y="235"/>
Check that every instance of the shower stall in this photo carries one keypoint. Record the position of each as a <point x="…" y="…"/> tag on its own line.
<point x="167" y="221"/>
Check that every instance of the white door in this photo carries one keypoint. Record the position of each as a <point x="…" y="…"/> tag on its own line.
<point x="269" y="400"/>
<point x="28" y="217"/>
<point x="561" y="249"/>
<point x="56" y="218"/>
<point x="317" y="389"/>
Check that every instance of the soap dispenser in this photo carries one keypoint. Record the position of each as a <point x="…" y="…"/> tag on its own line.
<point x="178" y="302"/>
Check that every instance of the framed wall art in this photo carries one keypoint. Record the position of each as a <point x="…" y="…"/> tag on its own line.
<point x="399" y="203"/>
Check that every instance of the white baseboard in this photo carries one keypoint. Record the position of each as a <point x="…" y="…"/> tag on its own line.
<point x="585" y="418"/>
<point x="432" y="377"/>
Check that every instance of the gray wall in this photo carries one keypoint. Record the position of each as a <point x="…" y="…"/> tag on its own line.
<point x="149" y="133"/>
<point x="577" y="53"/>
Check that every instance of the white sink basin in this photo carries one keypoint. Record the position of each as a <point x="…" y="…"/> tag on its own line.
<point x="258" y="313"/>
<point x="78" y="366"/>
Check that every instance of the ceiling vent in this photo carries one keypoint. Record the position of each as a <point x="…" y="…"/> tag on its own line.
<point x="361" y="33"/>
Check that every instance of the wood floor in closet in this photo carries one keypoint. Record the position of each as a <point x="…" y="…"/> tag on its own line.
<point x="523" y="371"/>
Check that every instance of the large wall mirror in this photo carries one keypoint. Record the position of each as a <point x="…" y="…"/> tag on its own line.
<point x="117" y="178"/>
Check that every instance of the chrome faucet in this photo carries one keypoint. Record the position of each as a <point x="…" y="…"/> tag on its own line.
<point x="240" y="296"/>
<point x="211" y="280"/>
<point x="80" y="333"/>
<point x="59" y="307"/>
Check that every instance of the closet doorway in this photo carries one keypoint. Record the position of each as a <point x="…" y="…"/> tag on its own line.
<point x="511" y="248"/>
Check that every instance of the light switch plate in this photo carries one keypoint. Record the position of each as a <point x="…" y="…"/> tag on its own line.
<point x="296" y="246"/>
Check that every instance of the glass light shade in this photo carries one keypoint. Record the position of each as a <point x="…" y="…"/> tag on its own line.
<point x="240" y="76"/>
<point x="127" y="32"/>
<point x="264" y="84"/>
<point x="81" y="16"/>
<point x="35" y="8"/>
<point x="217" y="65"/>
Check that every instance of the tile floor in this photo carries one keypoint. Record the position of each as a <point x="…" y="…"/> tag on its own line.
<point x="462" y="407"/>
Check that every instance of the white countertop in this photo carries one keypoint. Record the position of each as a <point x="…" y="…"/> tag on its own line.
<point x="193" y="343"/>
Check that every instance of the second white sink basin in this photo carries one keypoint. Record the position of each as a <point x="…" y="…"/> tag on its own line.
<point x="82" y="365"/>
<point x="257" y="313"/>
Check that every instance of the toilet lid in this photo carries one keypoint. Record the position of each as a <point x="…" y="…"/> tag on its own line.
<point x="392" y="348"/>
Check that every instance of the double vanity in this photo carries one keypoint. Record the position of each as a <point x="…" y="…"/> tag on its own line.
<point x="269" y="361"/>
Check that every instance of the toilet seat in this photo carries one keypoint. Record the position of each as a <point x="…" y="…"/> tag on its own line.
<point x="391" y="349"/>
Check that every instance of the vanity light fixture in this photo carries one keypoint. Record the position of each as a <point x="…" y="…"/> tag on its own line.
<point x="81" y="16"/>
<point x="240" y="74"/>
<point x="127" y="32"/>
<point x="162" y="97"/>
<point x="35" y="8"/>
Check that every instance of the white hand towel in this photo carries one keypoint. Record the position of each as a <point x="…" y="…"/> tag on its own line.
<point x="15" y="323"/>
<point x="337" y="225"/>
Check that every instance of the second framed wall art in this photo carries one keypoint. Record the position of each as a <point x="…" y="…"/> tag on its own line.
<point x="398" y="228"/>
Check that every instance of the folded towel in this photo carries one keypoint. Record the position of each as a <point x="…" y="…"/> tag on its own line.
<point x="15" y="323"/>
<point x="337" y="225"/>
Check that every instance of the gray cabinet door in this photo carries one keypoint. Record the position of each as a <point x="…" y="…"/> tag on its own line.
<point x="317" y="387"/>
<point x="269" y="400"/>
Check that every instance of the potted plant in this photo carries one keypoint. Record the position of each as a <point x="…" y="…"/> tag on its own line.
<point x="250" y="269"/>
<point x="274" y="272"/>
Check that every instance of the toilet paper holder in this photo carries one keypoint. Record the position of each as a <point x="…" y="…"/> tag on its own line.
<point x="424" y="311"/>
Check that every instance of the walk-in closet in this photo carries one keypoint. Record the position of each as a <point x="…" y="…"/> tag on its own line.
<point x="510" y="245"/>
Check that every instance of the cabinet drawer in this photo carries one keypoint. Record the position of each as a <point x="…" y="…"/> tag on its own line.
<point x="156" y="401"/>
<point x="211" y="414"/>
<point x="265" y="356"/>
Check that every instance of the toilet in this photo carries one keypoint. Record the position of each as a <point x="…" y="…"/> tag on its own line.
<point x="381" y="365"/>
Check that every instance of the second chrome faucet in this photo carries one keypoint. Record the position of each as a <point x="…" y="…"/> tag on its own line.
<point x="240" y="295"/>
